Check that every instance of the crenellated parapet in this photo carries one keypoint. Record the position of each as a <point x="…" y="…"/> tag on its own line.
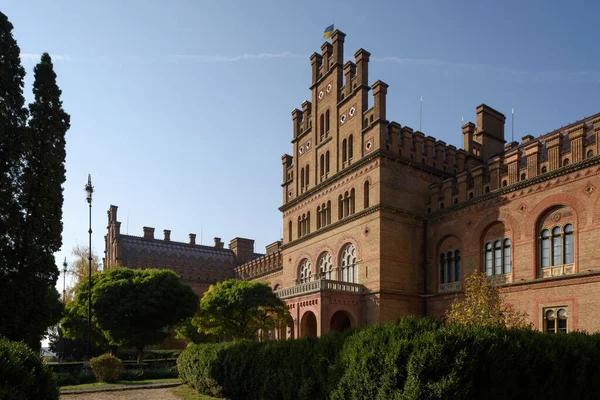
<point x="518" y="162"/>
<point x="260" y="266"/>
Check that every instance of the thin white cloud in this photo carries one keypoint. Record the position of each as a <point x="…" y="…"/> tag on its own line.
<point x="588" y="76"/>
<point x="33" y="57"/>
<point x="236" y="58"/>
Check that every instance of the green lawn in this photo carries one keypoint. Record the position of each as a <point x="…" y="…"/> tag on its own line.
<point x="185" y="392"/>
<point x="119" y="383"/>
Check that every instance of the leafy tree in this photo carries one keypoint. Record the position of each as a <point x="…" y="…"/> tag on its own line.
<point x="239" y="309"/>
<point x="32" y="173"/>
<point x="79" y="268"/>
<point x="187" y="330"/>
<point x="134" y="307"/>
<point x="483" y="305"/>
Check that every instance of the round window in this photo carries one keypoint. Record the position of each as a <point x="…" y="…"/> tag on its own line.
<point x="352" y="111"/>
<point x="343" y="118"/>
<point x="308" y="145"/>
<point x="290" y="193"/>
<point x="301" y="150"/>
<point x="369" y="145"/>
<point x="321" y="94"/>
<point x="329" y="88"/>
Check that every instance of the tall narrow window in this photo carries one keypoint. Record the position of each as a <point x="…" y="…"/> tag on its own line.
<point x="340" y="207"/>
<point x="326" y="123"/>
<point x="352" y="197"/>
<point x="307" y="175"/>
<point x="569" y="258"/>
<point x="556" y="247"/>
<point x="457" y="265"/>
<point x="308" y="222"/>
<point x="328" y="212"/>
<point x="327" y="162"/>
<point x="350" y="146"/>
<point x="299" y="226"/>
<point x="322" y="165"/>
<point x="302" y="179"/>
<point x="556" y="320"/>
<point x="450" y="266"/>
<point x="325" y="266"/>
<point x="344" y="148"/>
<point x="366" y="194"/>
<point x="305" y="271"/>
<point x="550" y="321"/>
<point x="349" y="265"/>
<point x="488" y="260"/>
<point x="322" y="127"/>
<point x="290" y="231"/>
<point x="498" y="257"/>
<point x="318" y="217"/>
<point x="507" y="256"/>
<point x="545" y="248"/>
<point x="443" y="268"/>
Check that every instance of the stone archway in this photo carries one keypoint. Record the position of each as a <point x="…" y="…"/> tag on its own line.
<point x="308" y="324"/>
<point x="340" y="321"/>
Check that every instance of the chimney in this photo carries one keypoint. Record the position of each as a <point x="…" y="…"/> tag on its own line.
<point x="167" y="235"/>
<point x="148" y="232"/>
<point x="218" y="243"/>
<point x="192" y="238"/>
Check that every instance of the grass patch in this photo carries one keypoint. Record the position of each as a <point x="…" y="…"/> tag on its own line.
<point x="119" y="383"/>
<point x="185" y="392"/>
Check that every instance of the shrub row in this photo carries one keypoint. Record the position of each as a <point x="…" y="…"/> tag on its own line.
<point x="23" y="374"/>
<point x="131" y="354"/>
<point x="410" y="359"/>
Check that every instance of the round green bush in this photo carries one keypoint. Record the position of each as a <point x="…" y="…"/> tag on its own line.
<point x="107" y="368"/>
<point x="23" y="374"/>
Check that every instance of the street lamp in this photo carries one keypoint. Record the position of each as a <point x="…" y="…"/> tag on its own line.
<point x="62" y="338"/>
<point x="89" y="190"/>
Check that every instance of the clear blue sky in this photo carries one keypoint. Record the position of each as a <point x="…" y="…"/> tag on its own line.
<point x="181" y="110"/>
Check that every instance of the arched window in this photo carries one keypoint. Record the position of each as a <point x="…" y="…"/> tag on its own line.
<point x="450" y="265"/>
<point x="325" y="266"/>
<point x="350" y="147"/>
<point x="566" y="162"/>
<point x="470" y="195"/>
<point x="318" y="217"/>
<point x="507" y="256"/>
<point x="590" y="153"/>
<point x="544" y="169"/>
<point x="290" y="231"/>
<point x="322" y="165"/>
<point x="487" y="189"/>
<point x="569" y="257"/>
<point x="307" y="176"/>
<point x="344" y="149"/>
<point x="340" y="207"/>
<point x="556" y="246"/>
<point x="545" y="239"/>
<point x="366" y="194"/>
<point x="352" y="197"/>
<point x="328" y="212"/>
<point x="504" y="183"/>
<point x="457" y="265"/>
<point x="348" y="265"/>
<point x="489" y="260"/>
<point x="326" y="123"/>
<point x="305" y="271"/>
<point x="443" y="268"/>
<point x="326" y="163"/>
<point x="302" y="180"/>
<point x="523" y="176"/>
<point x="299" y="226"/>
<point x="322" y="127"/>
<point x="308" y="222"/>
<point x="555" y="320"/>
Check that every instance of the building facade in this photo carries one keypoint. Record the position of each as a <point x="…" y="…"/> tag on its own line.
<point x="382" y="221"/>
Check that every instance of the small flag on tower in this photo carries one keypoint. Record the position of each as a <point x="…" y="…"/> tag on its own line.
<point x="328" y="32"/>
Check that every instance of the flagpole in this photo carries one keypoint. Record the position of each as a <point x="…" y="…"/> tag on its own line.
<point x="421" y="114"/>
<point x="512" y="139"/>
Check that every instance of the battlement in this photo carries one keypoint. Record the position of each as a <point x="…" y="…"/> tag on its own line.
<point x="260" y="266"/>
<point x="519" y="162"/>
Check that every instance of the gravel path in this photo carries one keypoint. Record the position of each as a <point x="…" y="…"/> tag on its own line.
<point x="143" y="394"/>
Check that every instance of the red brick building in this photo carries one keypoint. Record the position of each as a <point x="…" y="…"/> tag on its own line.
<point x="382" y="221"/>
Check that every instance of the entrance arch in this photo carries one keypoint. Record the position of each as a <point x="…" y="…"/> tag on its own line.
<point x="340" y="321"/>
<point x="308" y="324"/>
<point x="289" y="328"/>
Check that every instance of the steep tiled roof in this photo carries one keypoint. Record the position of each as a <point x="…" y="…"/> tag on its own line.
<point x="175" y="249"/>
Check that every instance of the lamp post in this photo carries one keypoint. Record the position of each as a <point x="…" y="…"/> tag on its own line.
<point x="89" y="189"/>
<point x="62" y="338"/>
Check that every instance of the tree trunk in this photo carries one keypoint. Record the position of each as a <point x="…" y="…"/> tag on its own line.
<point x="140" y="354"/>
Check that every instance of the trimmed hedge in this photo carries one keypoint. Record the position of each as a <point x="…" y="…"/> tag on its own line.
<point x="23" y="374"/>
<point x="414" y="358"/>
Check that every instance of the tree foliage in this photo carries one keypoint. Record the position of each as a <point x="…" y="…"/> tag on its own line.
<point x="134" y="307"/>
<point x="32" y="157"/>
<point x="483" y="305"/>
<point x="79" y="268"/>
<point x="239" y="309"/>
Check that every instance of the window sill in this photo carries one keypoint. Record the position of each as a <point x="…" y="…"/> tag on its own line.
<point x="557" y="270"/>
<point x="499" y="279"/>
<point x="450" y="287"/>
